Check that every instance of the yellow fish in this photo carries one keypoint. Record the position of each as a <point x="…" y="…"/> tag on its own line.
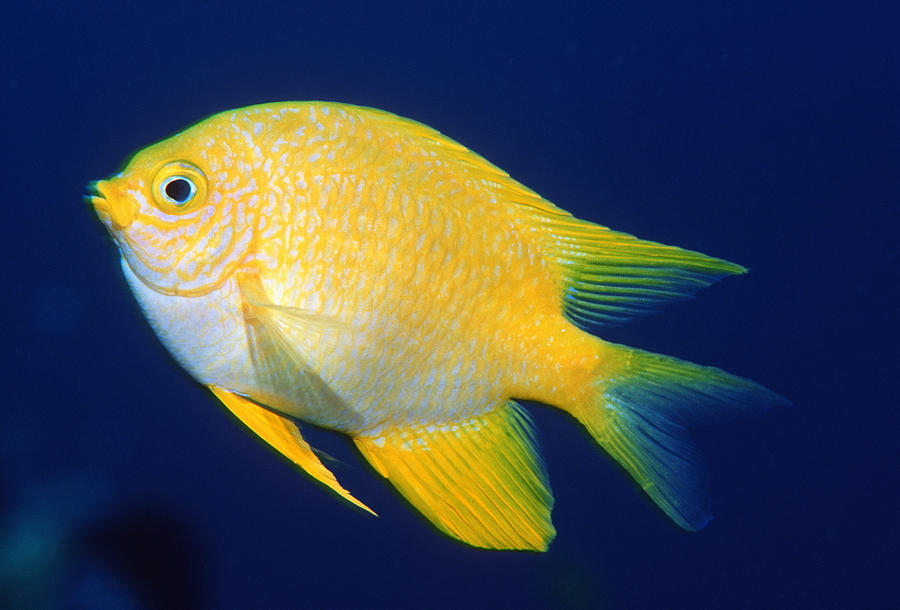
<point x="346" y="267"/>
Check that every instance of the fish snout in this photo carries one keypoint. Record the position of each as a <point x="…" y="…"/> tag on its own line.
<point x="111" y="204"/>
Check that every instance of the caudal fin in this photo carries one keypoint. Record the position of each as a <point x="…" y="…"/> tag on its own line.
<point x="639" y="410"/>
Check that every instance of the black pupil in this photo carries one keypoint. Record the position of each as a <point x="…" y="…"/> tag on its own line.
<point x="178" y="190"/>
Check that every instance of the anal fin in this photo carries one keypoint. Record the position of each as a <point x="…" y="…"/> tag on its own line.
<point x="480" y="480"/>
<point x="282" y="434"/>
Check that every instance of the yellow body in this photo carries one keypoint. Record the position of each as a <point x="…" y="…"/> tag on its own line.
<point x="350" y="268"/>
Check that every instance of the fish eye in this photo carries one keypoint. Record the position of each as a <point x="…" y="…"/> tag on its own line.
<point x="179" y="186"/>
<point x="178" y="189"/>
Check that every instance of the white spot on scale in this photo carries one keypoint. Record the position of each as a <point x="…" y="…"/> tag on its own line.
<point x="257" y="128"/>
<point x="314" y="157"/>
<point x="139" y="196"/>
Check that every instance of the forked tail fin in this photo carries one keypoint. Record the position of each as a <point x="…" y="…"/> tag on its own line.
<point x="639" y="409"/>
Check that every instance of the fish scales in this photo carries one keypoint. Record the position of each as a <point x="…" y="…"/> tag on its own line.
<point x="360" y="271"/>
<point x="341" y="200"/>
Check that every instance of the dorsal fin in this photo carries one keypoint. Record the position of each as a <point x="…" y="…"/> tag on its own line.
<point x="608" y="277"/>
<point x="451" y="152"/>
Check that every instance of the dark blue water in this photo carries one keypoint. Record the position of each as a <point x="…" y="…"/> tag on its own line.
<point x="764" y="135"/>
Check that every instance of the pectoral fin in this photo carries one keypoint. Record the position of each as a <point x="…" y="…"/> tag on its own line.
<point x="480" y="480"/>
<point x="279" y="338"/>
<point x="283" y="435"/>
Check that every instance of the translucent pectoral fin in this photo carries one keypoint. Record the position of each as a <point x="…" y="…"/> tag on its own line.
<point x="280" y="337"/>
<point x="282" y="434"/>
<point x="480" y="480"/>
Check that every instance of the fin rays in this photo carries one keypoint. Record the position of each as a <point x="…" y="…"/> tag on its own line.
<point x="609" y="277"/>
<point x="279" y="363"/>
<point x="284" y="436"/>
<point x="479" y="480"/>
<point x="643" y="405"/>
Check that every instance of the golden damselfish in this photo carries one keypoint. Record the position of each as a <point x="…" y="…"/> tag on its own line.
<point x="343" y="266"/>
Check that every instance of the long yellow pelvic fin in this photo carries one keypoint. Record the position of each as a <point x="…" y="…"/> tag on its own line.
<point x="283" y="435"/>
<point x="480" y="480"/>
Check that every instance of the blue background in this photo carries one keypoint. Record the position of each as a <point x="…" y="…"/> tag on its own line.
<point x="764" y="133"/>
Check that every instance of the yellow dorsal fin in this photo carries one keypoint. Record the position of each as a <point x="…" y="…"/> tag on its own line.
<point x="605" y="277"/>
<point x="470" y="163"/>
<point x="609" y="277"/>
<point x="284" y="436"/>
<point x="480" y="480"/>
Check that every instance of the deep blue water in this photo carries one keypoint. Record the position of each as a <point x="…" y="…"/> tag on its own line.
<point x="767" y="135"/>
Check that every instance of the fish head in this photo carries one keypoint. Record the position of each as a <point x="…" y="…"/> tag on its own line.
<point x="181" y="211"/>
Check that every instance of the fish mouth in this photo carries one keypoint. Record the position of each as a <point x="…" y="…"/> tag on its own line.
<point x="96" y="198"/>
<point x="117" y="211"/>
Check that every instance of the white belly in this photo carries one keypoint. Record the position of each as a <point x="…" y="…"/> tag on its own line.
<point x="351" y="382"/>
<point x="208" y="336"/>
<point x="204" y="333"/>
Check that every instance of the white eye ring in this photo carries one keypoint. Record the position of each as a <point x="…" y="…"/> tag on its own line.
<point x="177" y="190"/>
